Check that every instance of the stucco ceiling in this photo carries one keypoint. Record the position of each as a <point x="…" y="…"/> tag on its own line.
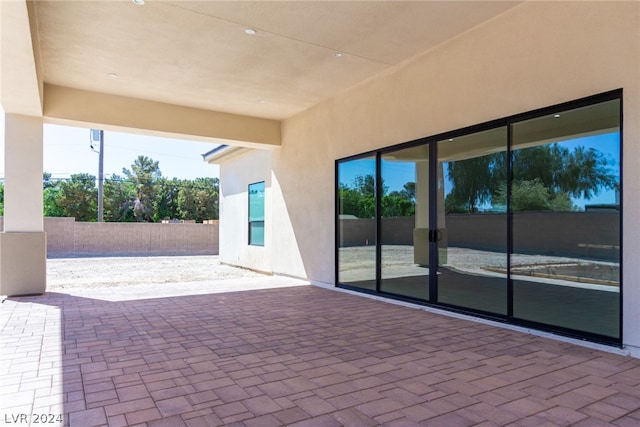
<point x="197" y="54"/>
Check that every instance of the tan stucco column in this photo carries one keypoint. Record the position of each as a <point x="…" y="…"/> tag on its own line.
<point x="23" y="244"/>
<point x="421" y="231"/>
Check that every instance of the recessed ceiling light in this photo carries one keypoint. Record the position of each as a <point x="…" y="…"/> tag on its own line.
<point x="138" y="2"/>
<point x="112" y="75"/>
<point x="338" y="54"/>
<point x="450" y="139"/>
<point x="250" y="31"/>
<point x="556" y="115"/>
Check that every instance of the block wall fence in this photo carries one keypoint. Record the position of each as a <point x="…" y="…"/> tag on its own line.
<point x="558" y="233"/>
<point x="68" y="238"/>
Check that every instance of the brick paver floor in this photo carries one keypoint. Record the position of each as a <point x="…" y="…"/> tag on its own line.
<point x="295" y="356"/>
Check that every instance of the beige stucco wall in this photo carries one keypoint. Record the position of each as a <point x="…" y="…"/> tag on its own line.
<point x="535" y="55"/>
<point x="235" y="178"/>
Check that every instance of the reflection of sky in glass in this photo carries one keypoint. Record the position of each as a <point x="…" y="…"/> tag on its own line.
<point x="256" y="202"/>
<point x="608" y="144"/>
<point x="348" y="171"/>
<point x="397" y="174"/>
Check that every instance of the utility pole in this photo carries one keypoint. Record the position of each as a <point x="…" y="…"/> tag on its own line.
<point x="98" y="136"/>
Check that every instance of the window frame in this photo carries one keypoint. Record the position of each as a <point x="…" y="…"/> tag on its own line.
<point x="250" y="222"/>
<point x="509" y="122"/>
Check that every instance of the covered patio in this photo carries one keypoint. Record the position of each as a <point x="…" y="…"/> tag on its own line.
<point x="289" y="88"/>
<point x="271" y="351"/>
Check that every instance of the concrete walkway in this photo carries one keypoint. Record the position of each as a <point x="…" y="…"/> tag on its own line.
<point x="294" y="355"/>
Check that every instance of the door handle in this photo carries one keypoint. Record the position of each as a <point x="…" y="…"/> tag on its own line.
<point x="437" y="235"/>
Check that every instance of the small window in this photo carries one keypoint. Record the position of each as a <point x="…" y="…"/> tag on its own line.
<point x="256" y="214"/>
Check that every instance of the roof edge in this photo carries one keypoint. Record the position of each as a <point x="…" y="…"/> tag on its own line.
<point x="224" y="153"/>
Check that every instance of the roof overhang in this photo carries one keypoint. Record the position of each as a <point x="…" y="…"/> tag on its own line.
<point x="224" y="153"/>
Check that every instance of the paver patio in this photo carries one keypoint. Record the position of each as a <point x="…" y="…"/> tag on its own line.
<point x="297" y="356"/>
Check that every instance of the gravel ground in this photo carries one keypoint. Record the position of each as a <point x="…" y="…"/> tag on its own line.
<point x="71" y="273"/>
<point x="358" y="263"/>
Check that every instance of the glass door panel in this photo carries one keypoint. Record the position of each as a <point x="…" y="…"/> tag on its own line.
<point x="404" y="222"/>
<point x="357" y="223"/>
<point x="471" y="220"/>
<point x="565" y="202"/>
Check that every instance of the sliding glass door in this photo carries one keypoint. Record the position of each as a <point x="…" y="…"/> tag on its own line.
<point x="565" y="202"/>
<point x="356" y="222"/>
<point x="472" y="222"/>
<point x="404" y="222"/>
<point x="518" y="219"/>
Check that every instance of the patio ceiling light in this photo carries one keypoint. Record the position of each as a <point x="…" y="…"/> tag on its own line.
<point x="250" y="31"/>
<point x="138" y="2"/>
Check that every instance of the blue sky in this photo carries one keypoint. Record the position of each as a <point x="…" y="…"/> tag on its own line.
<point x="67" y="151"/>
<point x="396" y="174"/>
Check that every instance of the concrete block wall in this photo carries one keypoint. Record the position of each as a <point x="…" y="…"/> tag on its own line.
<point x="68" y="238"/>
<point x="572" y="234"/>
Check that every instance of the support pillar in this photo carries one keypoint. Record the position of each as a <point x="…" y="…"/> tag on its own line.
<point x="23" y="243"/>
<point x="421" y="230"/>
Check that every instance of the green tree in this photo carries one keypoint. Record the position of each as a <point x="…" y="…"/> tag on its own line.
<point x="78" y="197"/>
<point x="166" y="203"/>
<point x="50" y="202"/>
<point x="472" y="183"/>
<point x="550" y="169"/>
<point x="51" y="189"/>
<point x="359" y="199"/>
<point x="118" y="199"/>
<point x="397" y="204"/>
<point x="349" y="200"/>
<point x="144" y="174"/>
<point x="365" y="185"/>
<point x="534" y="196"/>
<point x="198" y="199"/>
<point x="47" y="181"/>
<point x="585" y="172"/>
<point x="408" y="191"/>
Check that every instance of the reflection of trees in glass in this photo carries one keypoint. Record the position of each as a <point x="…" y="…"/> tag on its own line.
<point x="545" y="177"/>
<point x="473" y="182"/>
<point x="359" y="199"/>
<point x="533" y="196"/>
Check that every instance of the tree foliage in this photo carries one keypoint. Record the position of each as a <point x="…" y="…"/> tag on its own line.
<point x="78" y="197"/>
<point x="144" y="175"/>
<point x="545" y="177"/>
<point x="533" y="195"/>
<point x="198" y="199"/>
<point x="471" y="183"/>
<point x="359" y="199"/>
<point x="142" y="194"/>
<point x="118" y="199"/>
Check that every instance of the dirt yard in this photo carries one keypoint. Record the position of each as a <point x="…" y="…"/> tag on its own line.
<point x="70" y="273"/>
